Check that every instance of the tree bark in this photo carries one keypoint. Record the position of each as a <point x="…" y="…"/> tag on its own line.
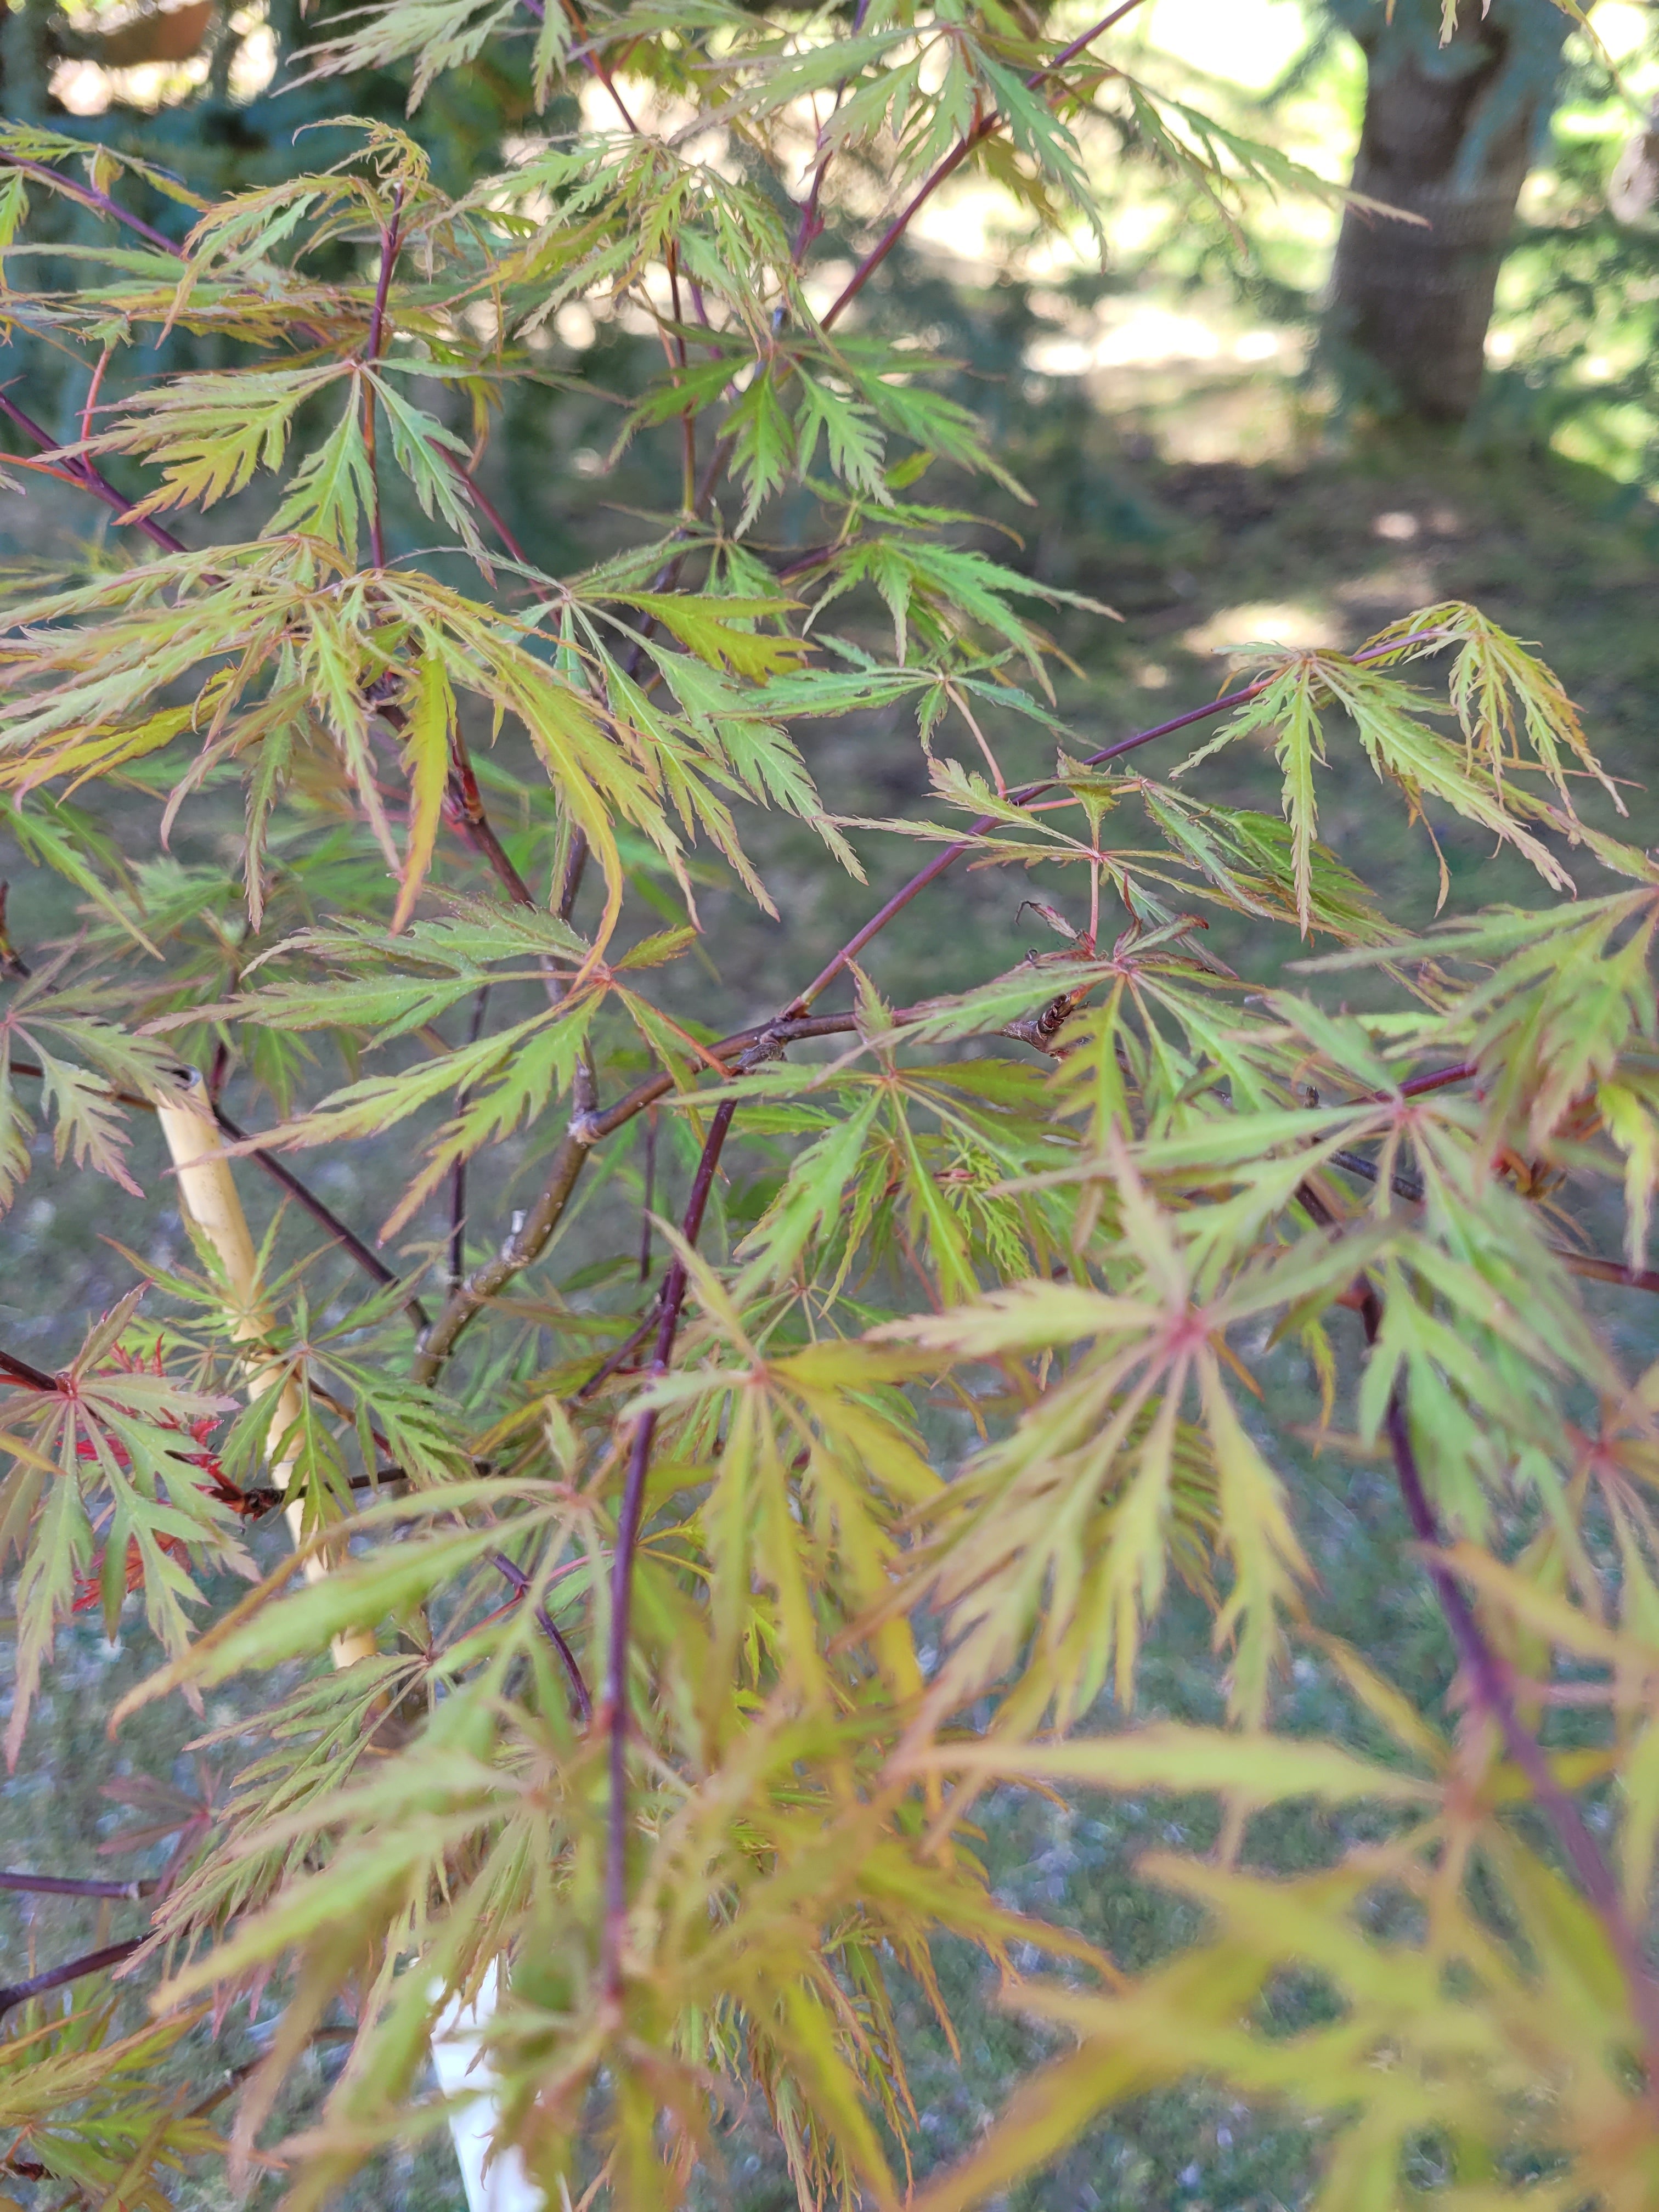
<point x="1449" y="133"/>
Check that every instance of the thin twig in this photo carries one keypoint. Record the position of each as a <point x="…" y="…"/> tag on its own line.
<point x="628" y="1519"/>
<point x="615" y="1361"/>
<point x="529" y="1235"/>
<point x="348" y="1239"/>
<point x="32" y="1378"/>
<point x="648" y="1195"/>
<point x="591" y="61"/>
<point x="550" y="1627"/>
<point x="60" y="1884"/>
<point x="677" y="371"/>
<point x="77" y="469"/>
<point x="74" y="1970"/>
<point x="100" y="202"/>
<point x="1438" y="1079"/>
<point x="1588" y="1264"/>
<point x="1595" y="1270"/>
<point x="1490" y="1689"/>
<point x="951" y="854"/>
<point x="457" y="1173"/>
<point x="984" y="126"/>
<point x="811" y="223"/>
<point x="575" y="867"/>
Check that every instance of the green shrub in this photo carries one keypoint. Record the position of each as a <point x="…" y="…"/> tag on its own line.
<point x="671" y="1609"/>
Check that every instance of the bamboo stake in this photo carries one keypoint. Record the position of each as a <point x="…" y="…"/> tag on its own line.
<point x="207" y="1193"/>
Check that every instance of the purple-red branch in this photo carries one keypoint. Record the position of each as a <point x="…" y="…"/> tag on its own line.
<point x="58" y="1885"/>
<point x="29" y="1377"/>
<point x="519" y="1580"/>
<point x="628" y="1519"/>
<point x="77" y="469"/>
<point x="985" y="126"/>
<point x="90" y="197"/>
<point x="1024" y="796"/>
<point x="1489" y="1687"/>
<point x="811" y="222"/>
<point x="74" y="1970"/>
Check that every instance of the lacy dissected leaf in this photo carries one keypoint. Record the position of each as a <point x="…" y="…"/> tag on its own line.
<point x="113" y="1482"/>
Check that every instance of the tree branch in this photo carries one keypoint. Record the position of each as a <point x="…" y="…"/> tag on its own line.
<point x="985" y="127"/>
<point x="1490" y="1689"/>
<point x="58" y="1885"/>
<point x="590" y="60"/>
<point x="100" y="202"/>
<point x="457" y="1173"/>
<point x="77" y="469"/>
<point x="31" y="1378"/>
<point x="74" y="1970"/>
<point x="520" y="1581"/>
<point x="622" y="1564"/>
<point x="811" y="223"/>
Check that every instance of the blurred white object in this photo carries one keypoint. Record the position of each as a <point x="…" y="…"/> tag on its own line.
<point x="498" y="2184"/>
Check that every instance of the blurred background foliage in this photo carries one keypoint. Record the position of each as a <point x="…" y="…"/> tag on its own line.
<point x="1208" y="452"/>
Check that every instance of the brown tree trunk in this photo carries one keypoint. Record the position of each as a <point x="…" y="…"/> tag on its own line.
<point x="1449" y="133"/>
